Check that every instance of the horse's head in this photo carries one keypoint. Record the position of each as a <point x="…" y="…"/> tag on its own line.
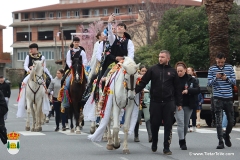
<point x="77" y="69"/>
<point x="130" y="76"/>
<point x="38" y="71"/>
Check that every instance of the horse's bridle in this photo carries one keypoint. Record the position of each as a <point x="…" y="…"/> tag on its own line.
<point x="131" y="87"/>
<point x="37" y="79"/>
<point x="78" y="76"/>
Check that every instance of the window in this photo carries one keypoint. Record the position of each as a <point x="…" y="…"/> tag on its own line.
<point x="40" y="15"/>
<point x="22" y="56"/>
<point x="26" y="16"/>
<point x="68" y="14"/>
<point x="49" y="55"/>
<point x="67" y="34"/>
<point x="59" y="14"/>
<point x="85" y="12"/>
<point x="117" y="11"/>
<point x="16" y="16"/>
<point x="129" y="10"/>
<point x="96" y="12"/>
<point x="45" y="35"/>
<point x="76" y="14"/>
<point x="51" y="15"/>
<point x="105" y="12"/>
<point x="24" y="36"/>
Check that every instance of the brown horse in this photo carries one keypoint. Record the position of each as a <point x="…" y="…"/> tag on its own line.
<point x="77" y="88"/>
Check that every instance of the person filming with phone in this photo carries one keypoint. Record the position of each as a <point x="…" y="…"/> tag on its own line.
<point x="221" y="78"/>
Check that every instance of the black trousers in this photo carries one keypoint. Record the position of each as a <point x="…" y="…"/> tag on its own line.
<point x="162" y="112"/>
<point x="57" y="109"/>
<point x="227" y="106"/>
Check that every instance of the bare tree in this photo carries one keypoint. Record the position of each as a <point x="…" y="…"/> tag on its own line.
<point x="150" y="13"/>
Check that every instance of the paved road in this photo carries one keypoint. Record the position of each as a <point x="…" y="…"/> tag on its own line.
<point x="50" y="145"/>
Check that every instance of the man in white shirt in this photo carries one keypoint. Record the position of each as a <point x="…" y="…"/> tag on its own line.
<point x="34" y="55"/>
<point x="75" y="52"/>
<point x="121" y="45"/>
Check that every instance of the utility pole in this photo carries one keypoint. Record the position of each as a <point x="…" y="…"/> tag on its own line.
<point x="63" y="55"/>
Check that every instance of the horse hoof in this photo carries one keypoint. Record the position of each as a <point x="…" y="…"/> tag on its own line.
<point x="116" y="147"/>
<point x="78" y="132"/>
<point x="104" y="139"/>
<point x="126" y="151"/>
<point x="109" y="147"/>
<point x="72" y="131"/>
<point x="36" y="130"/>
<point x="32" y="130"/>
<point x="40" y="129"/>
<point x="27" y="128"/>
<point x="47" y="121"/>
<point x="92" y="131"/>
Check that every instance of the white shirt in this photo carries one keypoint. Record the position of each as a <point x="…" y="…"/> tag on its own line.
<point x="112" y="37"/>
<point x="83" y="54"/>
<point x="99" y="51"/>
<point x="26" y="62"/>
<point x="93" y="59"/>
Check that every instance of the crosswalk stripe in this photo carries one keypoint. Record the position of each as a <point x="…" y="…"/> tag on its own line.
<point x="67" y="132"/>
<point x="15" y="105"/>
<point x="236" y="129"/>
<point x="238" y="138"/>
<point x="29" y="133"/>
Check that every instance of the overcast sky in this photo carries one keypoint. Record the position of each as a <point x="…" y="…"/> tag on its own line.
<point x="6" y="10"/>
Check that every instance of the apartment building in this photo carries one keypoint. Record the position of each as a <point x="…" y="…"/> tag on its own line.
<point x="42" y="25"/>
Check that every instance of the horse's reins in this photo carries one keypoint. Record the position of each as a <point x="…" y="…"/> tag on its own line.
<point x="131" y="89"/>
<point x="36" y="81"/>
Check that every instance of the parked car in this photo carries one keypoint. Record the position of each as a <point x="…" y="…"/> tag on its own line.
<point x="206" y="106"/>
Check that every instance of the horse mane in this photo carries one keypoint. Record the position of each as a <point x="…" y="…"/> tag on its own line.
<point x="36" y="66"/>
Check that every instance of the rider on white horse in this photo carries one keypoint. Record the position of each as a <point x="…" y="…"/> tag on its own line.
<point x="34" y="55"/>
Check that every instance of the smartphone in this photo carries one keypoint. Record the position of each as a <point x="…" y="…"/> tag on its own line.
<point x="221" y="73"/>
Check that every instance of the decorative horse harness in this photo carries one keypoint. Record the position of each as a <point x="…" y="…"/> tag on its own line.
<point x="126" y="87"/>
<point x="36" y="78"/>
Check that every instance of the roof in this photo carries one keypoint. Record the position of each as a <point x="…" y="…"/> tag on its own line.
<point x="101" y="4"/>
<point x="2" y="27"/>
<point x="41" y="44"/>
<point x="54" y="22"/>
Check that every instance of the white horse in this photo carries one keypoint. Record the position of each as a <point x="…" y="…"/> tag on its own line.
<point x="35" y="92"/>
<point x="121" y="94"/>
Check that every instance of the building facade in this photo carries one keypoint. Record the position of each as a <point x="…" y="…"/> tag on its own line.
<point x="42" y="25"/>
<point x="5" y="58"/>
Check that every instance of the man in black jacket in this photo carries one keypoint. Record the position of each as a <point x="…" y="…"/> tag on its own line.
<point x="3" y="111"/>
<point x="165" y="95"/>
<point x="5" y="88"/>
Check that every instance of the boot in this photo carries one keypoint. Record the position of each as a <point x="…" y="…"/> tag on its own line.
<point x="220" y="145"/>
<point x="227" y="140"/>
<point x="182" y="144"/>
<point x="148" y="126"/>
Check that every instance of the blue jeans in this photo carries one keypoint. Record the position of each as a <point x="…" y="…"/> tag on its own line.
<point x="224" y="120"/>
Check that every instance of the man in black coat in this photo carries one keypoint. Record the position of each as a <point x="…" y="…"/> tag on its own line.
<point x="5" y="88"/>
<point x="3" y="111"/>
<point x="165" y="95"/>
